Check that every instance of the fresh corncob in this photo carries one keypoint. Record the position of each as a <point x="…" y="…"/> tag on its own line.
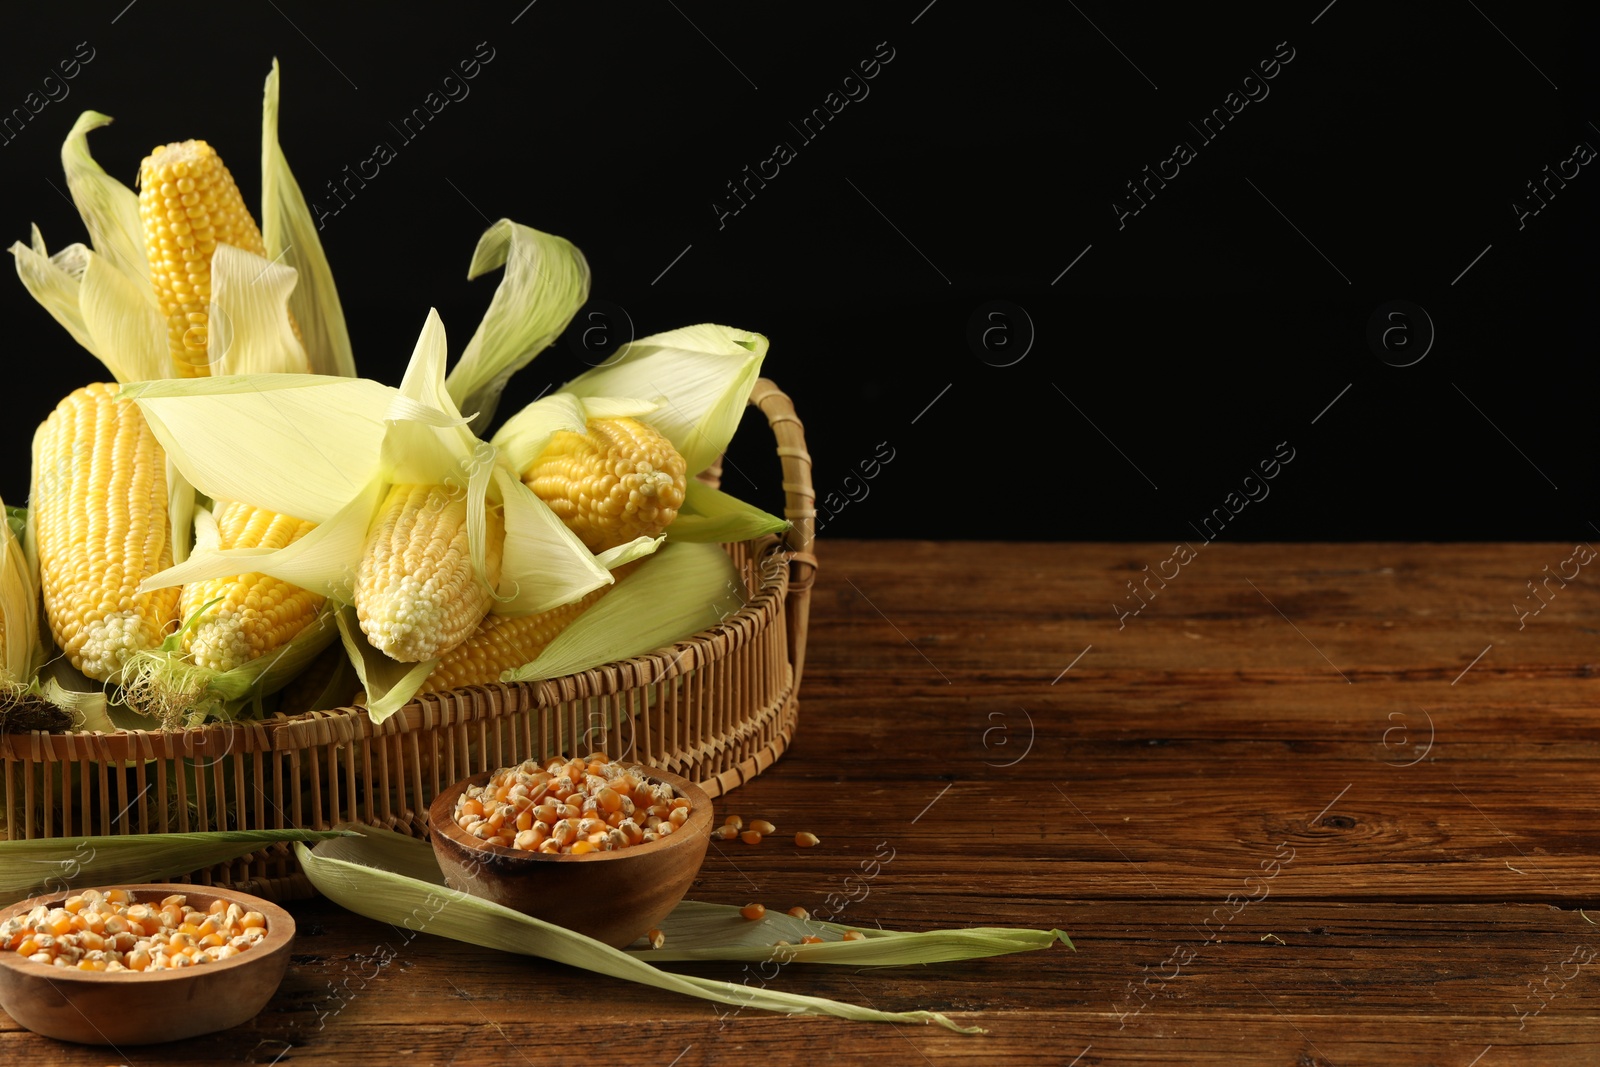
<point x="416" y="593"/>
<point x="189" y="204"/>
<point x="503" y="642"/>
<point x="620" y="480"/>
<point x="255" y="614"/>
<point x="99" y="512"/>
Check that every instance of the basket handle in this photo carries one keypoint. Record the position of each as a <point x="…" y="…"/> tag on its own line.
<point x="800" y="509"/>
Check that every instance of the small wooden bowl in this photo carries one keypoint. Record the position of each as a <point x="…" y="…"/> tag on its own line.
<point x="146" y="1007"/>
<point x="615" y="897"/>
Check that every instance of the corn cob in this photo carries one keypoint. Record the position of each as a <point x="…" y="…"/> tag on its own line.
<point x="189" y="204"/>
<point x="99" y="509"/>
<point x="503" y="642"/>
<point x="416" y="593"/>
<point x="620" y="480"/>
<point x="256" y="614"/>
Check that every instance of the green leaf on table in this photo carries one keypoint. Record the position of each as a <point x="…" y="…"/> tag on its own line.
<point x="54" y="864"/>
<point x="392" y="877"/>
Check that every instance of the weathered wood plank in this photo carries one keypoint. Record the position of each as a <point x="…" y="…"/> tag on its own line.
<point x="1260" y="856"/>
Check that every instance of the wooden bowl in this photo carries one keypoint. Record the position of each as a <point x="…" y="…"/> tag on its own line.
<point x="615" y="897"/>
<point x="145" y="1007"/>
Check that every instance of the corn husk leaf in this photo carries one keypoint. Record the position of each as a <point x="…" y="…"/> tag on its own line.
<point x="129" y="336"/>
<point x="711" y="515"/>
<point x="296" y="444"/>
<point x="677" y="592"/>
<point x="389" y="683"/>
<point x="249" y="331"/>
<point x="290" y="235"/>
<point x="55" y="282"/>
<point x="698" y="931"/>
<point x="19" y="610"/>
<point x="701" y="377"/>
<point x="83" y="698"/>
<point x="527" y="433"/>
<point x="363" y="881"/>
<point x="53" y="864"/>
<point x="320" y="561"/>
<point x="427" y="438"/>
<point x="546" y="281"/>
<point x="543" y="564"/>
<point x="110" y="210"/>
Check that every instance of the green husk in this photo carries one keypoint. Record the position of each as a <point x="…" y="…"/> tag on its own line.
<point x="393" y="878"/>
<point x="698" y="931"/>
<point x="54" y="864"/>
<point x="675" y="593"/>
<point x="711" y="515"/>
<point x="290" y="234"/>
<point x="546" y="281"/>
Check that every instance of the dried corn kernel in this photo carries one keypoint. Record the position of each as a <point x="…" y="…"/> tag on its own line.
<point x="806" y="840"/>
<point x="800" y="913"/>
<point x="763" y="827"/>
<point x="750" y="837"/>
<point x="854" y="935"/>
<point x="110" y="932"/>
<point x="574" y="806"/>
<point x="656" y="938"/>
<point x="754" y="912"/>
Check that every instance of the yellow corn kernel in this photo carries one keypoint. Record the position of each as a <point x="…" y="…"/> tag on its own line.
<point x="620" y="480"/>
<point x="416" y="594"/>
<point x="189" y="204"/>
<point x="99" y="505"/>
<point x="501" y="643"/>
<point x="854" y="935"/>
<point x="256" y="614"/>
<point x="805" y="839"/>
<point x="763" y="827"/>
<point x="754" y="912"/>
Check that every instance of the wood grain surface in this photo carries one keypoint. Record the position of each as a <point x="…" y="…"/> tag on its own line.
<point x="1313" y="805"/>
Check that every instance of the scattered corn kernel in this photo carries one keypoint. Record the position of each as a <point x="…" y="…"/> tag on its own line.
<point x="754" y="912"/>
<point x="805" y="839"/>
<point x="750" y="837"/>
<point x="571" y="806"/>
<point x="854" y="935"/>
<point x="725" y="833"/>
<point x="656" y="938"/>
<point x="110" y="932"/>
<point x="735" y="822"/>
<point x="800" y="913"/>
<point x="811" y="939"/>
<point x="763" y="827"/>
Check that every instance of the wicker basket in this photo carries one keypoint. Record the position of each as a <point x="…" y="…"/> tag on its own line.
<point x="718" y="708"/>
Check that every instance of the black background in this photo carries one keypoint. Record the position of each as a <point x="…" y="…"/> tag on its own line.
<point x="1139" y="388"/>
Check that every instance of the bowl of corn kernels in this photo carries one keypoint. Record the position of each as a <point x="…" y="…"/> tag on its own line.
<point x="606" y="848"/>
<point x="140" y="964"/>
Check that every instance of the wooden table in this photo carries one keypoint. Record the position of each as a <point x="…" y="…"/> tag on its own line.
<point x="1311" y="805"/>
